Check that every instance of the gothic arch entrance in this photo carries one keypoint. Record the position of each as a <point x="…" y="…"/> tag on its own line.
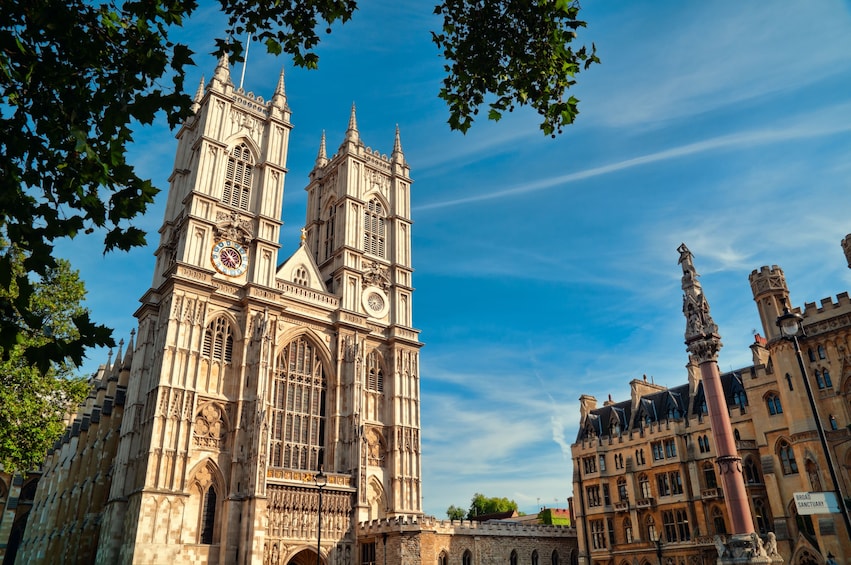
<point x="303" y="557"/>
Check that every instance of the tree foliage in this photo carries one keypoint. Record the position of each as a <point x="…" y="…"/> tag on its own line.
<point x="77" y="77"/>
<point x="456" y="513"/>
<point x="33" y="402"/>
<point x="514" y="52"/>
<point x="481" y="504"/>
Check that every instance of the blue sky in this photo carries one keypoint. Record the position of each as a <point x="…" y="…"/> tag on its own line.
<point x="547" y="268"/>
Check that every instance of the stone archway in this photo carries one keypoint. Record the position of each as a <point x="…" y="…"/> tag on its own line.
<point x="303" y="557"/>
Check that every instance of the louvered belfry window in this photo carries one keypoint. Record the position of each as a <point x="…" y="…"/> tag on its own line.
<point x="238" y="177"/>
<point x="374" y="229"/>
<point x="218" y="341"/>
<point x="298" y="416"/>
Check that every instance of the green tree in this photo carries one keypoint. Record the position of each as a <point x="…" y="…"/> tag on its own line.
<point x="481" y="504"/>
<point x="33" y="402"/>
<point x="77" y="77"/>
<point x="455" y="513"/>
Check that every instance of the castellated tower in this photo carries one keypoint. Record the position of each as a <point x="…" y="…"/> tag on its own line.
<point x="770" y="294"/>
<point x="249" y="377"/>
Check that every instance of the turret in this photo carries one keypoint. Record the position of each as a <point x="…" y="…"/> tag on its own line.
<point x="770" y="294"/>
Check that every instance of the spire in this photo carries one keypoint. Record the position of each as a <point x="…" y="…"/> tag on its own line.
<point x="117" y="365"/>
<point x="397" y="156"/>
<point x="128" y="356"/>
<point x="222" y="72"/>
<point x="701" y="336"/>
<point x="199" y="94"/>
<point x="322" y="156"/>
<point x="352" y="132"/>
<point x="279" y="99"/>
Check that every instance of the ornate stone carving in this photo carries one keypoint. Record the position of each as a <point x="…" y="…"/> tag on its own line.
<point x="210" y="429"/>
<point x="230" y="225"/>
<point x="701" y="335"/>
<point x="376" y="274"/>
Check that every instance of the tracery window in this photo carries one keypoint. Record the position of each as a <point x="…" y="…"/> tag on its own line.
<point x="374" y="229"/>
<point x="718" y="521"/>
<point x="763" y="519"/>
<point x="773" y="403"/>
<point x="751" y="471"/>
<point x="787" y="458"/>
<point x="298" y="414"/>
<point x="598" y="534"/>
<point x="627" y="530"/>
<point x="301" y="277"/>
<point x="218" y="340"/>
<point x="328" y="235"/>
<point x="669" y="526"/>
<point x="650" y="526"/>
<point x="374" y="373"/>
<point x="644" y="486"/>
<point x="683" y="530"/>
<point x="623" y="496"/>
<point x="740" y="399"/>
<point x="238" y="177"/>
<point x="709" y="475"/>
<point x="208" y="516"/>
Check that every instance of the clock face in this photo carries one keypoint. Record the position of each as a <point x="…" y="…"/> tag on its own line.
<point x="229" y="258"/>
<point x="375" y="302"/>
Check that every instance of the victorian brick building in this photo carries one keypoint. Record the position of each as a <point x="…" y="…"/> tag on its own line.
<point x="646" y="483"/>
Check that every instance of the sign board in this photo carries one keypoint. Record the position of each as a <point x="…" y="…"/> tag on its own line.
<point x="816" y="503"/>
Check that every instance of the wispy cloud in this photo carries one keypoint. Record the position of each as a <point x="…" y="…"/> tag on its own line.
<point x="741" y="139"/>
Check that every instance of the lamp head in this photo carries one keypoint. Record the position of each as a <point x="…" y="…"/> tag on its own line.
<point x="790" y="323"/>
<point x="321" y="479"/>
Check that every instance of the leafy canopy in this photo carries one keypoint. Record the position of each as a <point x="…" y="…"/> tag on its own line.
<point x="481" y="505"/>
<point x="77" y="77"/>
<point x="33" y="403"/>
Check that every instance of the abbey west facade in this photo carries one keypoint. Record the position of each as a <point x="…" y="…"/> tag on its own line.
<point x="202" y="443"/>
<point x="646" y="484"/>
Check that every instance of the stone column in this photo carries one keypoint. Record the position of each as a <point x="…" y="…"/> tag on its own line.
<point x="703" y="343"/>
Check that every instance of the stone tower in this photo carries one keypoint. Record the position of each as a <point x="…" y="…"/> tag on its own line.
<point x="249" y="377"/>
<point x="771" y="295"/>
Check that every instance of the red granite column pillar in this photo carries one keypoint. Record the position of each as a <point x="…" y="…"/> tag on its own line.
<point x="703" y="343"/>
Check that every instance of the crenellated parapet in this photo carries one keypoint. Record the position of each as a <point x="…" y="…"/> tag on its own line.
<point x="463" y="527"/>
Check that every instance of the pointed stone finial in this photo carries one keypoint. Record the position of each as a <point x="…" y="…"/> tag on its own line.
<point x="119" y="356"/>
<point x="279" y="99"/>
<point x="352" y="131"/>
<point x="322" y="156"/>
<point x="222" y="72"/>
<point x="397" y="156"/>
<point x="701" y="335"/>
<point x="199" y="94"/>
<point x="303" y="235"/>
<point x="128" y="356"/>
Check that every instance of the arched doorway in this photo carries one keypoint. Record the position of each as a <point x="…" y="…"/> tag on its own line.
<point x="274" y="556"/>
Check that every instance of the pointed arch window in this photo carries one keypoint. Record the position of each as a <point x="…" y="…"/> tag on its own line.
<point x="554" y="558"/>
<point x="534" y="557"/>
<point x="826" y="376"/>
<point x="513" y="558"/>
<point x="718" y="521"/>
<point x="819" y="380"/>
<point x="328" y="232"/>
<point x="208" y="516"/>
<point x="751" y="469"/>
<point x="238" y="177"/>
<point x="822" y="354"/>
<point x="467" y="558"/>
<point x="298" y="414"/>
<point x="650" y="526"/>
<point x="375" y="374"/>
<point x="374" y="229"/>
<point x="763" y="518"/>
<point x="218" y="340"/>
<point x="773" y="403"/>
<point x="787" y="458"/>
<point x="627" y="530"/>
<point x="644" y="486"/>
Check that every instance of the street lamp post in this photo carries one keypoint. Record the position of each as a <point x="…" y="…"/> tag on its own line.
<point x="321" y="480"/>
<point x="791" y="326"/>
<point x="658" y="542"/>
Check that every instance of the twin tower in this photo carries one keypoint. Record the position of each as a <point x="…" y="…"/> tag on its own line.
<point x="249" y="376"/>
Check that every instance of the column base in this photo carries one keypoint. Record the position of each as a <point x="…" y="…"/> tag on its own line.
<point x="742" y="549"/>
